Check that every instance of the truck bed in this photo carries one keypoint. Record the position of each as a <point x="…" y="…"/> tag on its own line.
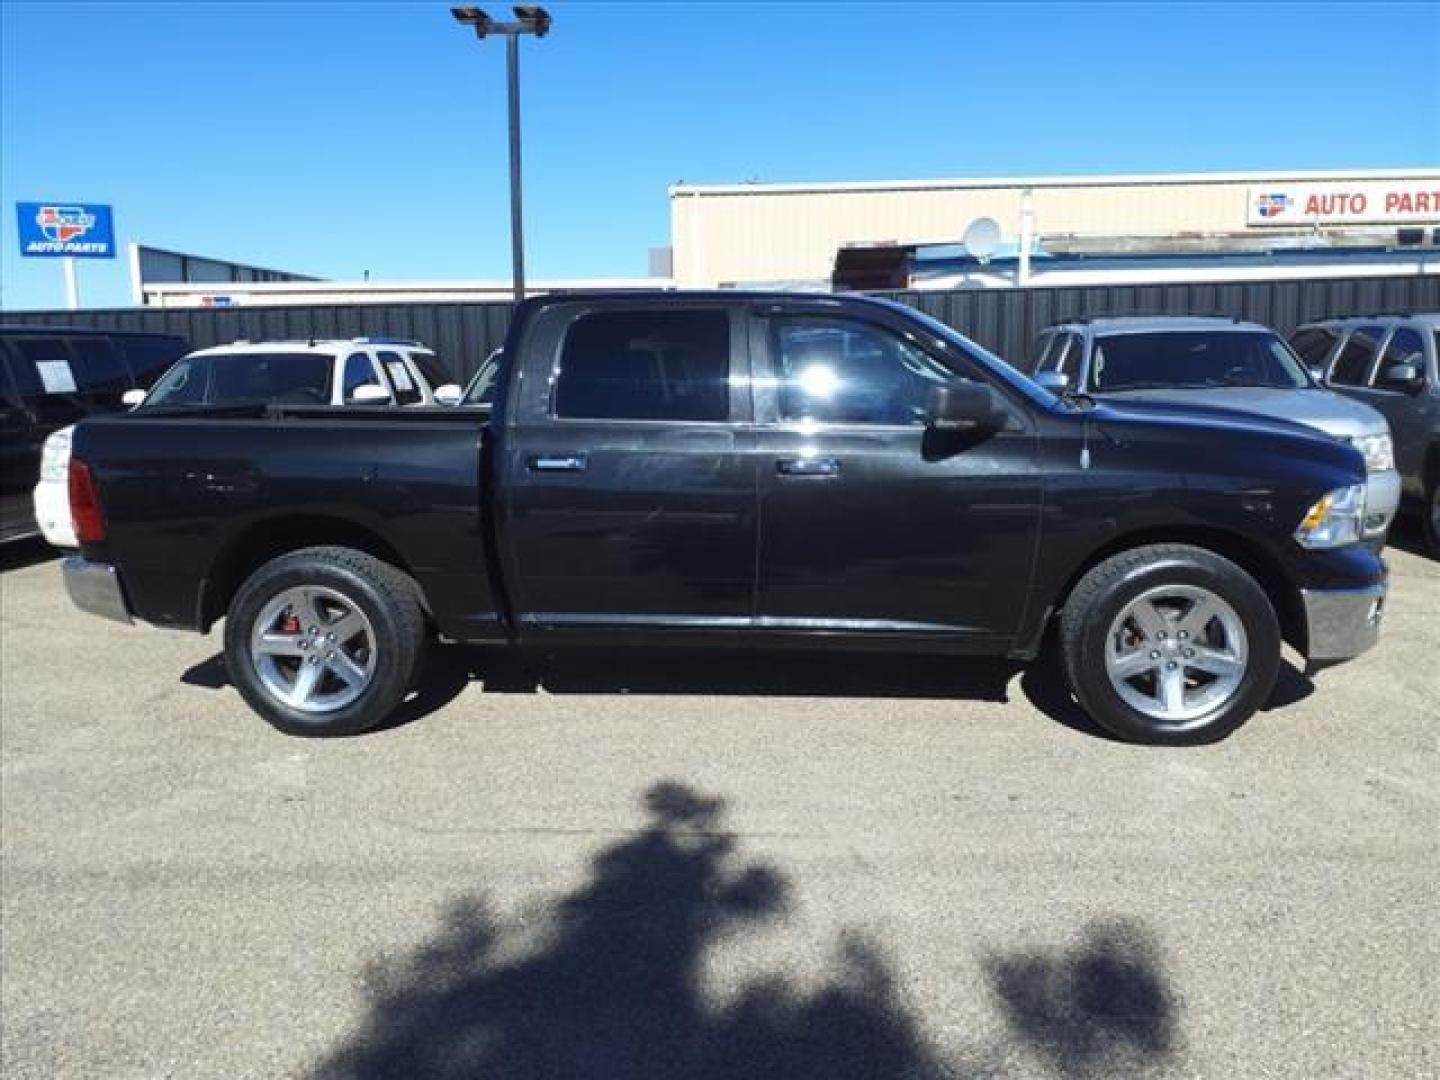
<point x="407" y="483"/>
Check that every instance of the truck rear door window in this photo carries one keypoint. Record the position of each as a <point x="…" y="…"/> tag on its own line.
<point x="646" y="365"/>
<point x="1313" y="345"/>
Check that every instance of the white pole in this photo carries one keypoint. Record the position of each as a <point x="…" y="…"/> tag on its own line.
<point x="72" y="288"/>
<point x="1027" y="233"/>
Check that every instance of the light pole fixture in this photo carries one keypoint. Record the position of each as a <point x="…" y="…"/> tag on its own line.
<point x="529" y="19"/>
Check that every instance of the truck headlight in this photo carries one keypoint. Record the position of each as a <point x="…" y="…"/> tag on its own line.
<point x="1377" y="450"/>
<point x="55" y="457"/>
<point x="1335" y="520"/>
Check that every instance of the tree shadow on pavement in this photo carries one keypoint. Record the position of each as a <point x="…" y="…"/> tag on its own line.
<point x="1102" y="1009"/>
<point x="610" y="986"/>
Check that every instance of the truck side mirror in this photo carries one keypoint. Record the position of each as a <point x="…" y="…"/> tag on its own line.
<point x="1404" y="377"/>
<point x="131" y="398"/>
<point x="965" y="406"/>
<point x="1057" y="382"/>
<point x="449" y="394"/>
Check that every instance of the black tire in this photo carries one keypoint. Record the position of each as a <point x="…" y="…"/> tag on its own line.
<point x="1430" y="513"/>
<point x="388" y="599"/>
<point x="1100" y="597"/>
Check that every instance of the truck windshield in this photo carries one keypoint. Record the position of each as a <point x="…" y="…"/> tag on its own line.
<point x="1187" y="360"/>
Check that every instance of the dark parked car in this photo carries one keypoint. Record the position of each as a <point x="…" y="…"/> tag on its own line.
<point x="827" y="472"/>
<point x="1392" y="364"/>
<point x="51" y="377"/>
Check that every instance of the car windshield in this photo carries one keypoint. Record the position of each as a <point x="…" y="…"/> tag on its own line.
<point x="1194" y="359"/>
<point x="241" y="378"/>
<point x="481" y="390"/>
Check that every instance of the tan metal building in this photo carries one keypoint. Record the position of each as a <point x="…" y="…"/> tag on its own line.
<point x="740" y="234"/>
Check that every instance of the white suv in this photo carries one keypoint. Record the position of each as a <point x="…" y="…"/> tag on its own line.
<point x="359" y="371"/>
<point x="367" y="371"/>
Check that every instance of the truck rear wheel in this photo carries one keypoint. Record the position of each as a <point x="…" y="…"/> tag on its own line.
<point x="325" y="640"/>
<point x="1170" y="644"/>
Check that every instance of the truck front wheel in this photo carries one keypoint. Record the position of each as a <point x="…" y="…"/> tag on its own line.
<point x="1169" y="644"/>
<point x="325" y="640"/>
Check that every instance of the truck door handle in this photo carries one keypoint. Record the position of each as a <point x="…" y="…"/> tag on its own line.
<point x="808" y="466"/>
<point x="558" y="463"/>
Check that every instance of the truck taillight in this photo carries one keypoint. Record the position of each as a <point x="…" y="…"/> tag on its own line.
<point x="85" y="504"/>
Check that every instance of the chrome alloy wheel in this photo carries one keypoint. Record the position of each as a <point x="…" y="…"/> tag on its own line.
<point x="1176" y="653"/>
<point x="313" y="649"/>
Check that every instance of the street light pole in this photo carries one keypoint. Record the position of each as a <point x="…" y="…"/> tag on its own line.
<point x="517" y="215"/>
<point x="529" y="20"/>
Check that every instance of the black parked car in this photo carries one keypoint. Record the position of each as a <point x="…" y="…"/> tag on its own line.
<point x="50" y="377"/>
<point x="768" y="469"/>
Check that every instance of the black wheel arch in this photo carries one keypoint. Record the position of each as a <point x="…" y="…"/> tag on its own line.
<point x="1247" y="553"/>
<point x="268" y="538"/>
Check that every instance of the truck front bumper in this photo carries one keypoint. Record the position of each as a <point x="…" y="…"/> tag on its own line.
<point x="1342" y="623"/>
<point x="95" y="587"/>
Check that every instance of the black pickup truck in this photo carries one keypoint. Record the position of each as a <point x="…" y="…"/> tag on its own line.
<point x="739" y="468"/>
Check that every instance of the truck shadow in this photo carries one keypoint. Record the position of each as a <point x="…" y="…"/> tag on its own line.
<point x="451" y="669"/>
<point x="1405" y="534"/>
<point x="609" y="981"/>
<point x="18" y="554"/>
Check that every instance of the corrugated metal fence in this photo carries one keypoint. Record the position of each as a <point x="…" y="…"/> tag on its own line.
<point x="1003" y="320"/>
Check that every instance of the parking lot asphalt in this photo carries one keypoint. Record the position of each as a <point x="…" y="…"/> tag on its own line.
<point x="708" y="865"/>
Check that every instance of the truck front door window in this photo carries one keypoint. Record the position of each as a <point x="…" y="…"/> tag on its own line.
<point x="653" y="365"/>
<point x="1406" y="347"/>
<point x="834" y="371"/>
<point x="1352" y="366"/>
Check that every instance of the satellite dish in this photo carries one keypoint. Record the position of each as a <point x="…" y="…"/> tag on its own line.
<point x="982" y="237"/>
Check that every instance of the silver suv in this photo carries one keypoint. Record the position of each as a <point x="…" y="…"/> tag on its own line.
<point x="1391" y="363"/>
<point x="1216" y="362"/>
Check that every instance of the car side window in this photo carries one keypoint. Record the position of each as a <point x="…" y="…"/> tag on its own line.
<point x="1313" y="345"/>
<point x="359" y="371"/>
<point x="645" y="365"/>
<point x="1406" y="347"/>
<point x="842" y="371"/>
<point x="1352" y="366"/>
<point x="45" y="366"/>
<point x="149" y="358"/>
<point x="100" y="372"/>
<point x="406" y="391"/>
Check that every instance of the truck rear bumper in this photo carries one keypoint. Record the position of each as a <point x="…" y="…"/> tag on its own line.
<point x="95" y="587"/>
<point x="1342" y="623"/>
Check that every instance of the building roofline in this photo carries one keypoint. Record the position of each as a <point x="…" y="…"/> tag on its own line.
<point x="683" y="190"/>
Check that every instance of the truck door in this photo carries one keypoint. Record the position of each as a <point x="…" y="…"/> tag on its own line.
<point x="868" y="523"/>
<point x="628" y="493"/>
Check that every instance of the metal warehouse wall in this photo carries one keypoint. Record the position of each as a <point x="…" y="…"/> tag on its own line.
<point x="1003" y="320"/>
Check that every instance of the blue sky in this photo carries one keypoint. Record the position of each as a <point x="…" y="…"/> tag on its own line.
<point x="339" y="138"/>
